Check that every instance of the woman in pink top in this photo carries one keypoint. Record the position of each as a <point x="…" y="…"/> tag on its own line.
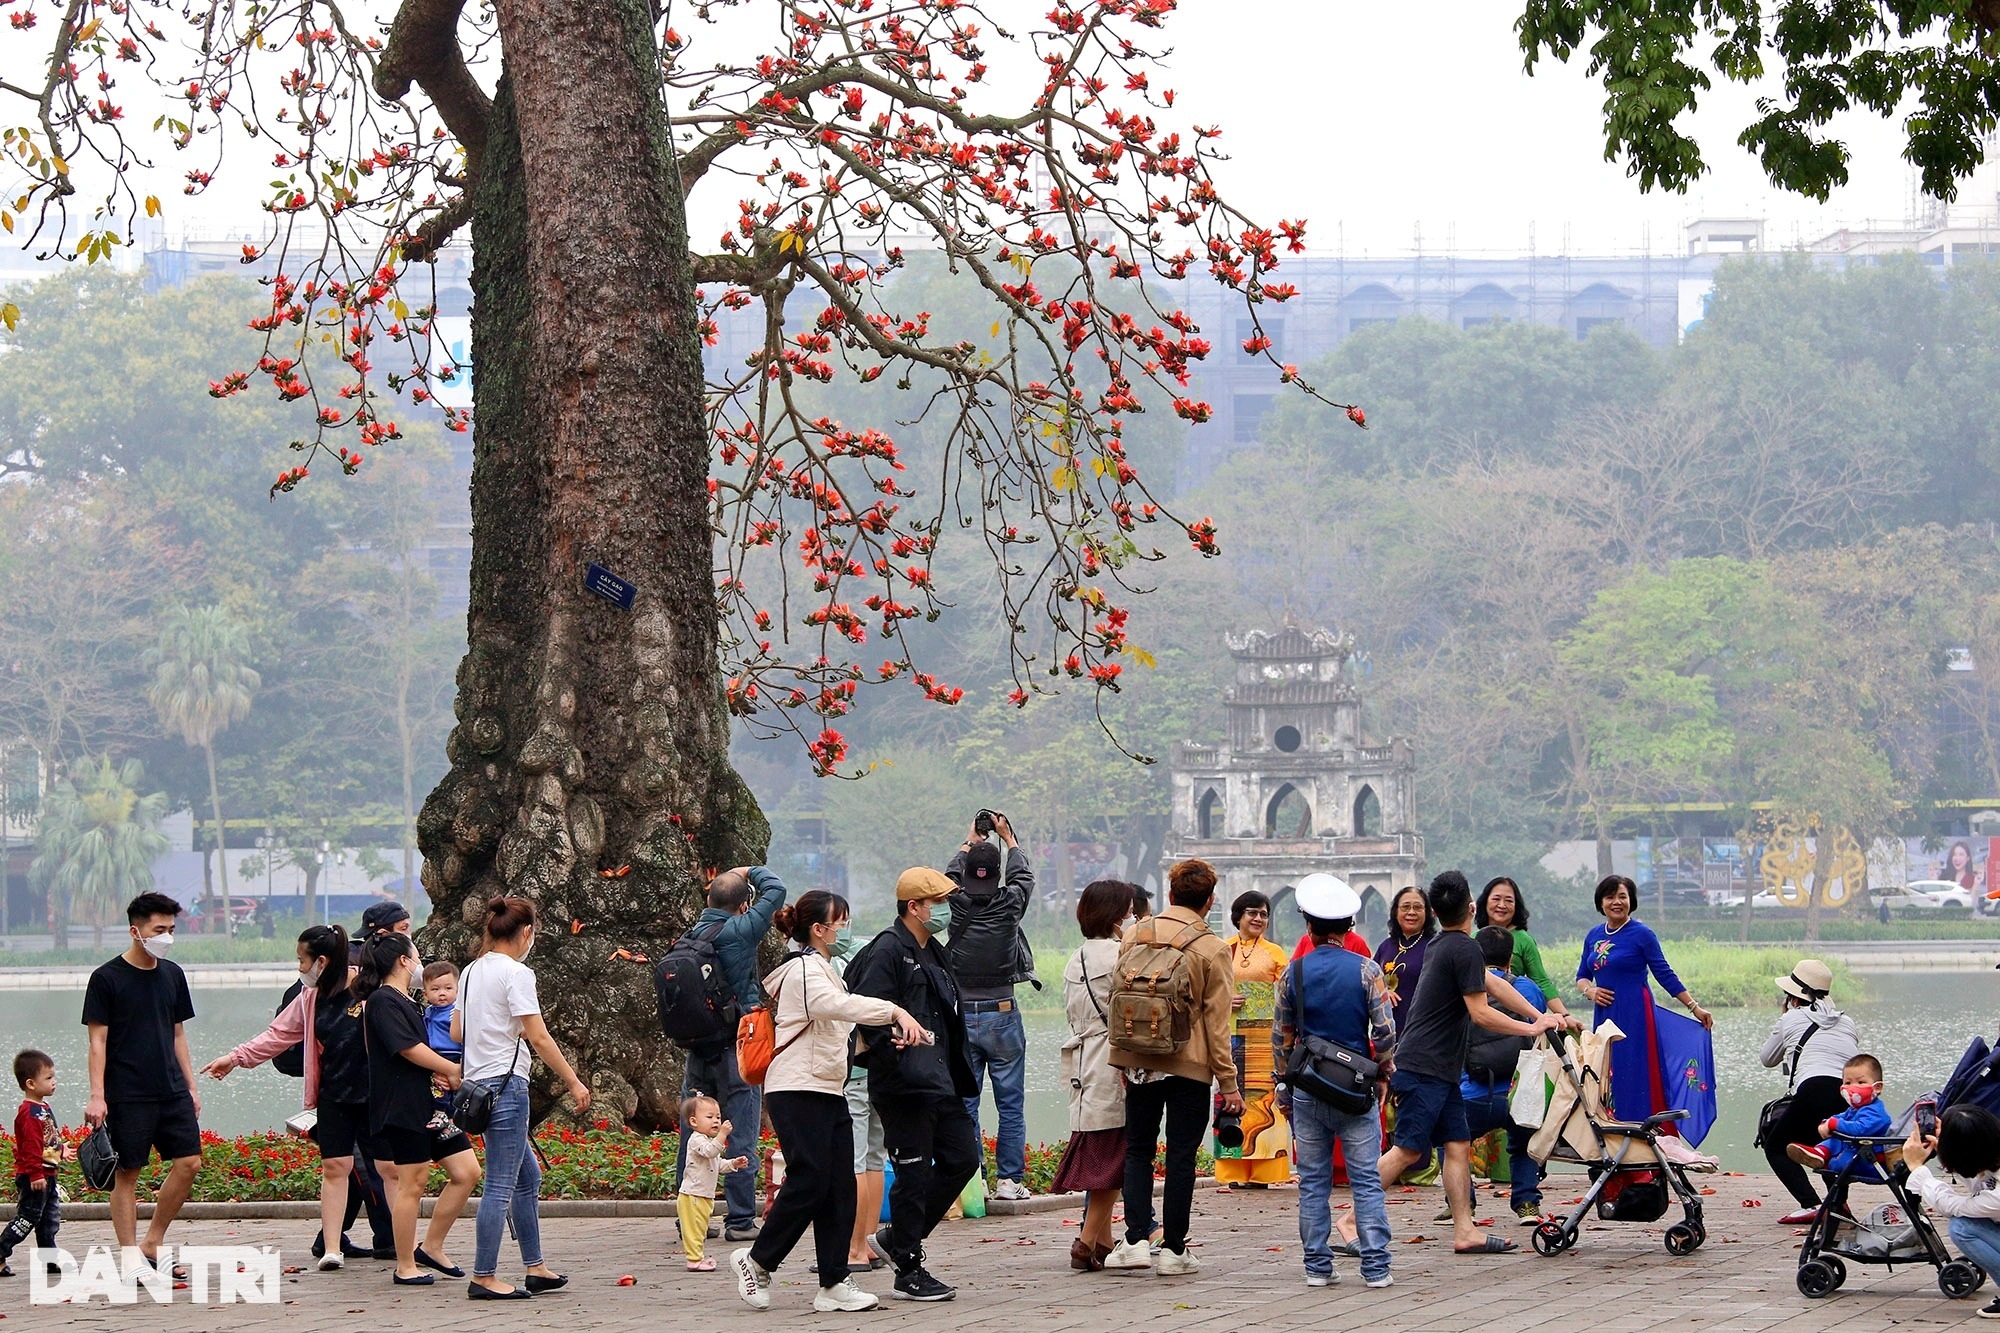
<point x="336" y="1085"/>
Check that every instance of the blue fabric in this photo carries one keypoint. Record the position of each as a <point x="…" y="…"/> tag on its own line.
<point x="513" y="1185"/>
<point x="1620" y="962"/>
<point x="1333" y="998"/>
<point x="1870" y="1121"/>
<point x="1429" y="1112"/>
<point x="1687" y="1059"/>
<point x="997" y="1043"/>
<point x="1976" y="1080"/>
<point x="1315" y="1128"/>
<point x="1978" y="1239"/>
<point x="437" y="1030"/>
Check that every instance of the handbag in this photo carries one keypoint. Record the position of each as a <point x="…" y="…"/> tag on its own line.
<point x="1528" y="1103"/>
<point x="472" y="1104"/>
<point x="757" y="1039"/>
<point x="1778" y="1108"/>
<point x="1326" y="1070"/>
<point x="303" y="1124"/>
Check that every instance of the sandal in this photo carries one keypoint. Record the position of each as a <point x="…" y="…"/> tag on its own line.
<point x="701" y="1266"/>
<point x="1493" y="1245"/>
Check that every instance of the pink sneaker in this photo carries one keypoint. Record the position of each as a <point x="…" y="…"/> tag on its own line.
<point x="702" y="1266"/>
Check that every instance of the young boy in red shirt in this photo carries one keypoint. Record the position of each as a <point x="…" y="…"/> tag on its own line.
<point x="38" y="1151"/>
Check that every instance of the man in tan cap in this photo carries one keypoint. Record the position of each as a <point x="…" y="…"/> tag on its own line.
<point x="919" y="1091"/>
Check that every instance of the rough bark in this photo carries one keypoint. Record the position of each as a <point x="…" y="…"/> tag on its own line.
<point x="589" y="738"/>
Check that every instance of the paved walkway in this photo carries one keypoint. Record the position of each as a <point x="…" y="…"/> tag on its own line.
<point x="1014" y="1278"/>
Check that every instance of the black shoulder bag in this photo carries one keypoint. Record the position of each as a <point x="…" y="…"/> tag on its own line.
<point x="1778" y="1108"/>
<point x="472" y="1104"/>
<point x="1326" y="1070"/>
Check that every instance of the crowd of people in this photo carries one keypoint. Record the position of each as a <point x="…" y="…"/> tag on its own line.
<point x="1328" y="1065"/>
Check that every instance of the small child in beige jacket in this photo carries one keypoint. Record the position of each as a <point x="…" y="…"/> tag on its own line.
<point x="707" y="1133"/>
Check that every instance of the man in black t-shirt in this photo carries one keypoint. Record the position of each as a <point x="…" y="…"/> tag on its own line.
<point x="141" y="1077"/>
<point x="1452" y="994"/>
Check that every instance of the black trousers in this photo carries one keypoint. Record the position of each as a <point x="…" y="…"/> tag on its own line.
<point x="36" y="1213"/>
<point x="817" y="1139"/>
<point x="1184" y="1105"/>
<point x="936" y="1149"/>
<point x="1812" y="1101"/>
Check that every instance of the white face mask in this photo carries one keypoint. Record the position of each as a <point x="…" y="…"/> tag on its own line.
<point x="312" y="974"/>
<point x="158" y="945"/>
<point x="531" y="944"/>
<point x="1125" y="926"/>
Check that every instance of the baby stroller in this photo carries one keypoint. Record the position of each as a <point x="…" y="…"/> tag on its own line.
<point x="1897" y="1232"/>
<point x="1632" y="1176"/>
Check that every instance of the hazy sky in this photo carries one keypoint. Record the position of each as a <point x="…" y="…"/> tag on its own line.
<point x="1371" y="120"/>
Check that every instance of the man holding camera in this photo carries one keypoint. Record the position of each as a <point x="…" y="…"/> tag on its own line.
<point x="989" y="955"/>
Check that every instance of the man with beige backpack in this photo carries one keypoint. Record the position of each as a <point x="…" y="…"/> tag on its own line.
<point x="1170" y="1022"/>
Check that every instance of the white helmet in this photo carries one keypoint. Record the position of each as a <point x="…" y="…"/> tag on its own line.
<point x="1327" y="897"/>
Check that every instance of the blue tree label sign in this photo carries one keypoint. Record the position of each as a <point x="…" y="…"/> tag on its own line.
<point x="598" y="579"/>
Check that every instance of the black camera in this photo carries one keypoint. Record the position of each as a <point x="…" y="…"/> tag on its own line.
<point x="982" y="823"/>
<point x="1229" y="1129"/>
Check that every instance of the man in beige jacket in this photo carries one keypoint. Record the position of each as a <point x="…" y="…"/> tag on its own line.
<point x="1176" y="1086"/>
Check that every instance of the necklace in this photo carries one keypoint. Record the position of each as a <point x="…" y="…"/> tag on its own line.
<point x="1613" y="930"/>
<point x="1392" y="971"/>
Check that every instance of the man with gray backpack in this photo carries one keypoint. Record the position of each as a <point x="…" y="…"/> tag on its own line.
<point x="1170" y="1021"/>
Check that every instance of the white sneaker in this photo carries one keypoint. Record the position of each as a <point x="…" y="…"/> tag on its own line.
<point x="1323" y="1279"/>
<point x="1377" y="1283"/>
<point x="1170" y="1264"/>
<point x="753" y="1284"/>
<point x="330" y="1262"/>
<point x="1011" y="1190"/>
<point x="1129" y="1254"/>
<point x="844" y="1296"/>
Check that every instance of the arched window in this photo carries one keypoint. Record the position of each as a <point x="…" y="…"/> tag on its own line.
<point x="1208" y="815"/>
<point x="1374" y="910"/>
<point x="1367" y="813"/>
<point x="1288" y="815"/>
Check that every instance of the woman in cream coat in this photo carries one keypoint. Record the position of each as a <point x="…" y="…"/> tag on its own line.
<point x="1094" y="1161"/>
<point x="805" y="1096"/>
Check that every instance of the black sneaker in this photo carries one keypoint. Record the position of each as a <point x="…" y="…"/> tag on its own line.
<point x="1990" y="1310"/>
<point x="919" y="1285"/>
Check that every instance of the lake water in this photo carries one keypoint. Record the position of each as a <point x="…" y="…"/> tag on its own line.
<point x="1918" y="1023"/>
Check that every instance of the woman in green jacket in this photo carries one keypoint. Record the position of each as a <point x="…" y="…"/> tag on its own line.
<point x="1501" y="904"/>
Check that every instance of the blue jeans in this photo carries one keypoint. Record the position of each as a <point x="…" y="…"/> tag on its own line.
<point x="997" y="1042"/>
<point x="1315" y="1126"/>
<point x="1485" y="1111"/>
<point x="513" y="1184"/>
<point x="716" y="1075"/>
<point x="1978" y="1239"/>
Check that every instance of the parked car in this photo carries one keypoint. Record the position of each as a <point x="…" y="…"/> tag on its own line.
<point x="1932" y="893"/>
<point x="1679" y="893"/>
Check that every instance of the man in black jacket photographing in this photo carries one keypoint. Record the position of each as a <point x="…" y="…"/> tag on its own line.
<point x="989" y="957"/>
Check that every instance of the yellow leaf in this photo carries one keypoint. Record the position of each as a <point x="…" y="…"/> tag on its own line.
<point x="402" y="311"/>
<point x="152" y="205"/>
<point x="1097" y="467"/>
<point x="1063" y="478"/>
<point x="87" y="31"/>
<point x="10" y="315"/>
<point x="1142" y="657"/>
<point x="21" y="204"/>
<point x="62" y="167"/>
<point x="996" y="328"/>
<point x="7" y="221"/>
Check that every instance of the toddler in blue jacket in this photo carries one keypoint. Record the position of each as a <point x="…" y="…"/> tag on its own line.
<point x="440" y="1003"/>
<point x="1865" y="1117"/>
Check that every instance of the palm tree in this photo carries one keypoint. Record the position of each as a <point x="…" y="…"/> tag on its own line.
<point x="98" y="839"/>
<point x="203" y="682"/>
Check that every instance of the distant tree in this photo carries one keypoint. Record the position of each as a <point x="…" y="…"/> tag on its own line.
<point x="202" y="684"/>
<point x="96" y="844"/>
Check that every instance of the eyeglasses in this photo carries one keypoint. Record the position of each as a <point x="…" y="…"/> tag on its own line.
<point x="1256" y="911"/>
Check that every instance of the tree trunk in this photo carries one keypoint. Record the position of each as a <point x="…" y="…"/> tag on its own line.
<point x="221" y="843"/>
<point x="310" y="868"/>
<point x="1822" y="867"/>
<point x="590" y="738"/>
<point x="407" y="741"/>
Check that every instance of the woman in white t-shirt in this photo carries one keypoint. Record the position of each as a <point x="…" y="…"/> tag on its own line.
<point x="499" y="1017"/>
